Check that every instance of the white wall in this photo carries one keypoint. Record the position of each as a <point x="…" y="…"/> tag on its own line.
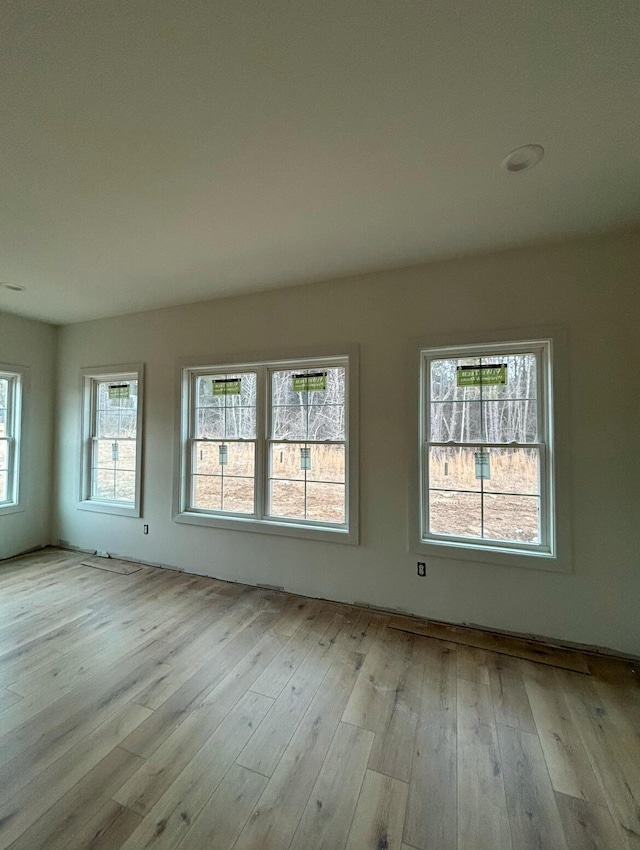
<point x="27" y="343"/>
<point x="589" y="286"/>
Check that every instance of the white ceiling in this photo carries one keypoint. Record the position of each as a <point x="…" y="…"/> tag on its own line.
<point x="154" y="153"/>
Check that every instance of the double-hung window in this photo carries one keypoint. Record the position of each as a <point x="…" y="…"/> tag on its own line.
<point x="11" y="388"/>
<point x="487" y="448"/>
<point x="112" y="440"/>
<point x="270" y="446"/>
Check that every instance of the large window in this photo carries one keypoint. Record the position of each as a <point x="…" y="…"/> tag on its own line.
<point x="270" y="446"/>
<point x="111" y="460"/>
<point x="487" y="448"/>
<point x="11" y="386"/>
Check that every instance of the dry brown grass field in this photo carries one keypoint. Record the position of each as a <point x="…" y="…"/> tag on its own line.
<point x="505" y="517"/>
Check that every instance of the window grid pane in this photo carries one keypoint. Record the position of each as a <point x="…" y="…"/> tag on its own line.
<point x="514" y="485"/>
<point x="223" y="476"/>
<point x="225" y="406"/>
<point x="308" y="481"/>
<point x="308" y="414"/>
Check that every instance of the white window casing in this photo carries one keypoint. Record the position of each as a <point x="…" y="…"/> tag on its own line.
<point x="255" y="454"/>
<point x="112" y="439"/>
<point x="13" y="384"/>
<point x="488" y="480"/>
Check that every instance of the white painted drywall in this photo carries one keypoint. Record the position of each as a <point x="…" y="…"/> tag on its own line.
<point x="589" y="286"/>
<point x="27" y="343"/>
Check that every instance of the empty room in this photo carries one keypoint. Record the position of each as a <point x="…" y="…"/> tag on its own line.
<point x="319" y="481"/>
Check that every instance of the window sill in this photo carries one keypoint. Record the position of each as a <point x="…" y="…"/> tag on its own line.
<point x="282" y="529"/>
<point x="496" y="556"/>
<point x="12" y="508"/>
<point x="109" y="508"/>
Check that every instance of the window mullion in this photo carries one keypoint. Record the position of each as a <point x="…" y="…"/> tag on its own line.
<point x="263" y="429"/>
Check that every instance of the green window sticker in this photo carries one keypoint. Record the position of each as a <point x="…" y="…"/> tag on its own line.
<point x="227" y="386"/>
<point x="119" y="391"/>
<point x="314" y="382"/>
<point x="489" y="375"/>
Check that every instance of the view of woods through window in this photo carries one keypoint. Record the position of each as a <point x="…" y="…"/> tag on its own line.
<point x="113" y="472"/>
<point x="305" y="444"/>
<point x="4" y="440"/>
<point x="483" y="452"/>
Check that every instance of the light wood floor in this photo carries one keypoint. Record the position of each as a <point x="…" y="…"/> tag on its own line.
<point x="164" y="710"/>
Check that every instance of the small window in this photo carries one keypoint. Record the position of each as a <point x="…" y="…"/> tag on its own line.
<point x="270" y="446"/>
<point x="487" y="470"/>
<point x="112" y="417"/>
<point x="11" y="387"/>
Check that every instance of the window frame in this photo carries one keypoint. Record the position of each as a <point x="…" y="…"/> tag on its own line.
<point x="90" y="378"/>
<point x="260" y="521"/>
<point x="553" y="552"/>
<point x="17" y="377"/>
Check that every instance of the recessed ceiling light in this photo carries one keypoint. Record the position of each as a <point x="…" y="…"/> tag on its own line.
<point x="520" y="159"/>
<point x="13" y="287"/>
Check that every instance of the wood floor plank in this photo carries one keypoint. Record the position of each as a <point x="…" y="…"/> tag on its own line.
<point x="278" y="674"/>
<point x="360" y="635"/>
<point x="567" y="760"/>
<point x="147" y="785"/>
<point x="298" y="611"/>
<point x="473" y="664"/>
<point x="112" y="565"/>
<point x="168" y="821"/>
<point x="588" y="826"/>
<point x="108" y="829"/>
<point x="431" y="821"/>
<point x="264" y="750"/>
<point x="483" y="821"/>
<point x="379" y="817"/>
<point x="395" y="732"/>
<point x="174" y="711"/>
<point x="614" y="757"/>
<point x="509" y="694"/>
<point x="375" y="690"/>
<point x="327" y="817"/>
<point x="221" y="820"/>
<point x="31" y="748"/>
<point x="66" y="821"/>
<point x="26" y="802"/>
<point x="504" y="644"/>
<point x="8" y="698"/>
<point x="275" y="818"/>
<point x="617" y="683"/>
<point x="71" y="669"/>
<point x="533" y="811"/>
<point x="52" y="628"/>
<point x="25" y="660"/>
<point x="34" y="705"/>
